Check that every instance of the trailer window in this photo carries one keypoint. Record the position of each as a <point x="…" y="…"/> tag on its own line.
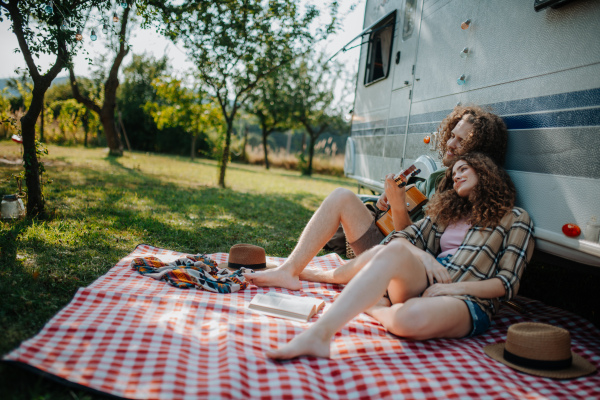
<point x="409" y="18"/>
<point x="379" y="52"/>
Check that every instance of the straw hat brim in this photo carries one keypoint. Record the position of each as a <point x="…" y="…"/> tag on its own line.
<point x="579" y="367"/>
<point x="269" y="266"/>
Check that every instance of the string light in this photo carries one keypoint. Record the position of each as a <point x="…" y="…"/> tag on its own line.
<point x="49" y="9"/>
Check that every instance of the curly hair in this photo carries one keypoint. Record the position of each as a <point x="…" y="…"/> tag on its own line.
<point x="492" y="197"/>
<point x="489" y="134"/>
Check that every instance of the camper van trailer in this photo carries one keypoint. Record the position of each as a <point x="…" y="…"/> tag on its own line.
<point x="536" y="63"/>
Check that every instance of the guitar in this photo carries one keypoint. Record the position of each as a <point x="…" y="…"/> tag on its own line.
<point x="415" y="200"/>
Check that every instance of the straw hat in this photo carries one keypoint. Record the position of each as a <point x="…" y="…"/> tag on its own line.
<point x="540" y="349"/>
<point x="247" y="256"/>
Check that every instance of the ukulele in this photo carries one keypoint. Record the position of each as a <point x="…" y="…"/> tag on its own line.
<point x="415" y="200"/>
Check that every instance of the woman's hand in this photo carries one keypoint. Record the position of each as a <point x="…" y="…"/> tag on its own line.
<point x="443" y="289"/>
<point x="435" y="270"/>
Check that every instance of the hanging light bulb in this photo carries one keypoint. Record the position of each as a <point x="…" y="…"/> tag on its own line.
<point x="49" y="9"/>
<point x="105" y="29"/>
<point x="115" y="18"/>
<point x="79" y="36"/>
<point x="124" y="4"/>
<point x="93" y="36"/>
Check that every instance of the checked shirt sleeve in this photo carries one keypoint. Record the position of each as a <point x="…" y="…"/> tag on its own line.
<point x="416" y="233"/>
<point x="517" y="251"/>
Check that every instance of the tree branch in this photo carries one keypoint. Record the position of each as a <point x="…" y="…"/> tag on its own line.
<point x="89" y="103"/>
<point x="17" y="19"/>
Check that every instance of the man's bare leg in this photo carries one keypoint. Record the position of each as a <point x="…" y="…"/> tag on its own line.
<point x="341" y="206"/>
<point x="393" y="264"/>
<point x="342" y="274"/>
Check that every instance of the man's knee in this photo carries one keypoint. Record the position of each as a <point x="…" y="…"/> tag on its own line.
<point x="343" y="195"/>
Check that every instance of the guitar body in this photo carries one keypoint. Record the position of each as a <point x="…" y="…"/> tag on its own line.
<point x="415" y="200"/>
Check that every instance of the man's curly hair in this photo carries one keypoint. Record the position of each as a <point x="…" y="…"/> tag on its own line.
<point x="492" y="197"/>
<point x="489" y="134"/>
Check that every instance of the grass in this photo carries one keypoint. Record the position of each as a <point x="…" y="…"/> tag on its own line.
<point x="101" y="208"/>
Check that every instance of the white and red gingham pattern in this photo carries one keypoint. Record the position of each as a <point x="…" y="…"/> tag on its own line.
<point x="134" y="337"/>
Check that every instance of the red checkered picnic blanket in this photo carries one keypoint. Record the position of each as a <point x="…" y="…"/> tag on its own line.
<point x="135" y="337"/>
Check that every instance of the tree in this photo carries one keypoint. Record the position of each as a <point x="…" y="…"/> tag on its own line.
<point x="311" y="90"/>
<point x="106" y="112"/>
<point x="236" y="43"/>
<point x="137" y="90"/>
<point x="269" y="104"/>
<point x="178" y="105"/>
<point x="39" y="30"/>
<point x="60" y="94"/>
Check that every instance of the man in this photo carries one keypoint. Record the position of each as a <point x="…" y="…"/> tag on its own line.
<point x="464" y="130"/>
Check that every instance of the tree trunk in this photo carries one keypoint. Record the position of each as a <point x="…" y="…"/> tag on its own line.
<point x="42" y="121"/>
<point x="193" y="152"/>
<point x="86" y="128"/>
<point x="226" y="150"/>
<point x="265" y="134"/>
<point x="107" y="113"/>
<point x="107" y="117"/>
<point x="35" y="199"/>
<point x="244" y="154"/>
<point x="311" y="153"/>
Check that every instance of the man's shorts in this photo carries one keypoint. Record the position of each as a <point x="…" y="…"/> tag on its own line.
<point x="371" y="238"/>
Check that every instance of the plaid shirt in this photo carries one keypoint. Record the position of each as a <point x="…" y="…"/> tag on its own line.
<point x="501" y="252"/>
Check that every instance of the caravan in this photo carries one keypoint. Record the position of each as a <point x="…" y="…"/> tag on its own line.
<point x="536" y="63"/>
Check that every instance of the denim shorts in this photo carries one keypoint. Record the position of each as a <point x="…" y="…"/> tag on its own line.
<point x="481" y="321"/>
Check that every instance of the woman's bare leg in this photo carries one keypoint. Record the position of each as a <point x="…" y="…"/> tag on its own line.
<point x="423" y="318"/>
<point x="391" y="264"/>
<point x="341" y="206"/>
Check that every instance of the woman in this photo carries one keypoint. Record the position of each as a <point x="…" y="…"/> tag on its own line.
<point x="481" y="244"/>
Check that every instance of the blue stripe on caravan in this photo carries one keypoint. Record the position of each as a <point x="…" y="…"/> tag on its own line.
<point x="582" y="98"/>
<point x="572" y="118"/>
<point x="531" y="107"/>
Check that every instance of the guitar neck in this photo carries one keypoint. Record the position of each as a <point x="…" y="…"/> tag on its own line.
<point x="402" y="178"/>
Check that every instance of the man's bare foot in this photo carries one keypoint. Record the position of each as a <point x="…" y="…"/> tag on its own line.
<point x="275" y="277"/>
<point x="313" y="275"/>
<point x="305" y="344"/>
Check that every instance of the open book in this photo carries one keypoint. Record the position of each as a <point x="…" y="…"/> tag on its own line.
<point x="286" y="306"/>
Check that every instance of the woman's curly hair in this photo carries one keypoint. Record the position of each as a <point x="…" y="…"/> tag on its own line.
<point x="489" y="134"/>
<point x="492" y="197"/>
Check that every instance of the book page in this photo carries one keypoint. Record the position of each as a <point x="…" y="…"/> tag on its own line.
<point x="286" y="306"/>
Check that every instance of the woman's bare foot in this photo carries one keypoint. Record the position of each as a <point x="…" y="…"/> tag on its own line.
<point x="308" y="343"/>
<point x="275" y="277"/>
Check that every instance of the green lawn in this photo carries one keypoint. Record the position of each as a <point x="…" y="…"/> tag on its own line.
<point x="101" y="208"/>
